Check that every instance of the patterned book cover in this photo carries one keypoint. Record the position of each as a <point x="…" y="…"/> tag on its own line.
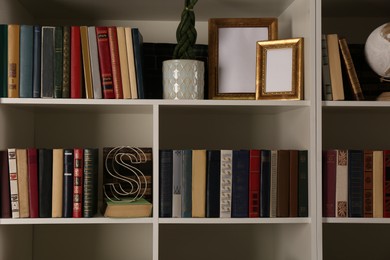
<point x="303" y="184"/>
<point x="75" y="63"/>
<point x="226" y="184"/>
<point x="3" y="60"/>
<point x="213" y="176"/>
<point x="32" y="160"/>
<point x="13" y="182"/>
<point x="37" y="61"/>
<point x="177" y="183"/>
<point x="45" y="169"/>
<point x="265" y="183"/>
<point x="254" y="183"/>
<point x="105" y="62"/>
<point x="67" y="203"/>
<point x="86" y="61"/>
<point x="186" y="196"/>
<point x="377" y="180"/>
<point x="329" y="158"/>
<point x="4" y="186"/>
<point x="355" y="183"/>
<point x="165" y="183"/>
<point x="66" y="62"/>
<point x="47" y="61"/>
<point x="341" y="202"/>
<point x="58" y="61"/>
<point x="115" y="62"/>
<point x="90" y="182"/>
<point x="26" y="60"/>
<point x="368" y="184"/>
<point x="21" y="164"/>
<point x="273" y="183"/>
<point x="78" y="164"/>
<point x="58" y="175"/>
<point x="240" y="184"/>
<point x="13" y="60"/>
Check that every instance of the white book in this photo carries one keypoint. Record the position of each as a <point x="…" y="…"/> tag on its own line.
<point x="177" y="164"/>
<point x="377" y="181"/>
<point x="341" y="183"/>
<point x="13" y="181"/>
<point x="226" y="183"/>
<point x="94" y="57"/>
<point x="274" y="184"/>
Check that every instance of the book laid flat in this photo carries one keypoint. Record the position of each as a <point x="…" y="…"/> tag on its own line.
<point x="57" y="190"/>
<point x="226" y="183"/>
<point x="254" y="183"/>
<point x="336" y="77"/>
<point x="240" y="184"/>
<point x="303" y="185"/>
<point x="105" y="62"/>
<point x="13" y="182"/>
<point x="66" y="62"/>
<point x="123" y="60"/>
<point x="213" y="175"/>
<point x="26" y="60"/>
<point x="13" y="60"/>
<point x="75" y="63"/>
<point x="377" y="182"/>
<point x="177" y="183"/>
<point x="95" y="70"/>
<point x="326" y="83"/>
<point x="47" y="62"/>
<point x="78" y="159"/>
<point x="45" y="169"/>
<point x="58" y="61"/>
<point x="341" y="201"/>
<point x="21" y="164"/>
<point x="67" y="202"/>
<point x="115" y="62"/>
<point x="127" y="209"/>
<point x="165" y="184"/>
<point x="186" y="198"/>
<point x="329" y="158"/>
<point x="32" y="161"/>
<point x="265" y="183"/>
<point x="90" y="182"/>
<point x="355" y="183"/>
<point x="3" y="60"/>
<point x="86" y="60"/>
<point x="36" y="86"/>
<point x="198" y="183"/>
<point x="4" y="186"/>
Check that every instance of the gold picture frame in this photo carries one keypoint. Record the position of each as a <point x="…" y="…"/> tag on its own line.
<point x="232" y="55"/>
<point x="279" y="69"/>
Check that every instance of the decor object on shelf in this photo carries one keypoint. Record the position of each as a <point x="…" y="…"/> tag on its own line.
<point x="232" y="55"/>
<point x="279" y="70"/>
<point x="183" y="77"/>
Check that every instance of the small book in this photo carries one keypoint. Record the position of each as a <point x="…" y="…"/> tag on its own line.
<point x="138" y="54"/>
<point x="95" y="70"/>
<point x="368" y="184"/>
<point x="123" y="60"/>
<point x="283" y="183"/>
<point x="293" y="195"/>
<point x="303" y="184"/>
<point x="131" y="62"/>
<point x="386" y="183"/>
<point x="273" y="183"/>
<point x="326" y="83"/>
<point x="265" y="183"/>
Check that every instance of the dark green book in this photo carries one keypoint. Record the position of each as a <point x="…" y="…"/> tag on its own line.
<point x="47" y="62"/>
<point x="58" y="63"/>
<point x="26" y="61"/>
<point x="66" y="62"/>
<point x="3" y="59"/>
<point x="303" y="206"/>
<point x="90" y="183"/>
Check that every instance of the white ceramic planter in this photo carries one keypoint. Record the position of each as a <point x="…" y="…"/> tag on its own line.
<point x="183" y="79"/>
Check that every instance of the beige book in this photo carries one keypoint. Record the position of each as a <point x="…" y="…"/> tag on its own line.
<point x="86" y="61"/>
<point x="57" y="186"/>
<point x="377" y="182"/>
<point x="199" y="183"/>
<point x="21" y="163"/>
<point x="336" y="77"/>
<point x="131" y="62"/>
<point x="341" y="183"/>
<point x="120" y="31"/>
<point x="13" y="60"/>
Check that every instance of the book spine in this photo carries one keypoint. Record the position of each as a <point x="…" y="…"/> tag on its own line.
<point x="177" y="183"/>
<point x="326" y="84"/>
<point x="213" y="175"/>
<point x="47" y="61"/>
<point x="66" y="63"/>
<point x="75" y="63"/>
<point x="13" y="60"/>
<point x="32" y="159"/>
<point x="45" y="162"/>
<point x="105" y="62"/>
<point x="57" y="190"/>
<point x="254" y="183"/>
<point x="95" y="70"/>
<point x="58" y="61"/>
<point x="265" y="182"/>
<point x="90" y="183"/>
<point x="3" y="60"/>
<point x="26" y="60"/>
<point x="5" y="186"/>
<point x="355" y="183"/>
<point x="329" y="183"/>
<point x="124" y="66"/>
<point x="273" y="183"/>
<point x="240" y="184"/>
<point x="368" y="184"/>
<point x="13" y="181"/>
<point x="78" y="182"/>
<point x="186" y="202"/>
<point x="21" y="164"/>
<point x="86" y="60"/>
<point x="226" y="183"/>
<point x="165" y="189"/>
<point x="283" y="181"/>
<point x="37" y="61"/>
<point x="198" y="183"/>
<point x="335" y="67"/>
<point x="341" y="201"/>
<point x="115" y="62"/>
<point x="386" y="183"/>
<point x="131" y="62"/>
<point x="293" y="196"/>
<point x="138" y="53"/>
<point x="377" y="181"/>
<point x="67" y="203"/>
<point x="303" y="185"/>
<point x="352" y="76"/>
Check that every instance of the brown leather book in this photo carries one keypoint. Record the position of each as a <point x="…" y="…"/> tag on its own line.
<point x="283" y="184"/>
<point x="115" y="62"/>
<point x="293" y="207"/>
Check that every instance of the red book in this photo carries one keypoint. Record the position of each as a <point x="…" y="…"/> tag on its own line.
<point x="115" y="63"/>
<point x="329" y="183"/>
<point x="254" y="183"/>
<point x="75" y="63"/>
<point x="78" y="182"/>
<point x="293" y="208"/>
<point x="386" y="183"/>
<point x="32" y="167"/>
<point x="4" y="187"/>
<point x="105" y="62"/>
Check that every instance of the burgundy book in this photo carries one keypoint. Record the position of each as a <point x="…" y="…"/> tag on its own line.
<point x="329" y="183"/>
<point x="75" y="63"/>
<point x="293" y="184"/>
<point x="4" y="187"/>
<point x="105" y="62"/>
<point x="254" y="183"/>
<point x="32" y="169"/>
<point x="78" y="183"/>
<point x="115" y="63"/>
<point x="386" y="183"/>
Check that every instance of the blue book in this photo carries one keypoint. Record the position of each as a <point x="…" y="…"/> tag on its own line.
<point x="213" y="180"/>
<point x="37" y="62"/>
<point x="138" y="59"/>
<point x="3" y="60"/>
<point x="26" y="61"/>
<point x="240" y="184"/>
<point x="355" y="183"/>
<point x="265" y="183"/>
<point x="165" y="182"/>
<point x="186" y="194"/>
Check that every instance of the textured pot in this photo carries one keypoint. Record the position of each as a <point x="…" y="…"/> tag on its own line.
<point x="183" y="79"/>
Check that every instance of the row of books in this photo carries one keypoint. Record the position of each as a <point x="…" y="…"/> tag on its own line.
<point x="45" y="183"/>
<point x="338" y="70"/>
<point x="70" y="62"/>
<point x="355" y="183"/>
<point x="233" y="183"/>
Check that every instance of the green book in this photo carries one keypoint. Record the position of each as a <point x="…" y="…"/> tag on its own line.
<point x="58" y="43"/>
<point x="3" y="59"/>
<point x="126" y="208"/>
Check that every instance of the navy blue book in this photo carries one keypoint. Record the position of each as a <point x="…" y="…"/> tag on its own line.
<point x="213" y="181"/>
<point x="37" y="62"/>
<point x="138" y="59"/>
<point x="240" y="184"/>
<point x="303" y="206"/>
<point x="45" y="169"/>
<point x="67" y="198"/>
<point x="265" y="182"/>
<point x="186" y="193"/>
<point x="355" y="183"/>
<point x="26" y="60"/>
<point x="165" y="189"/>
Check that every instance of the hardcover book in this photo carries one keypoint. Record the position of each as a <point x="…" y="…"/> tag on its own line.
<point x="75" y="63"/>
<point x="105" y="62"/>
<point x="5" y="186"/>
<point x="240" y="184"/>
<point x="124" y="67"/>
<point x="177" y="183"/>
<point x="32" y="160"/>
<point x="66" y="62"/>
<point x="57" y="190"/>
<point x="78" y="164"/>
<point x="13" y="60"/>
<point x="165" y="183"/>
<point x="58" y="61"/>
<point x="186" y="196"/>
<point x="377" y="182"/>
<point x="273" y="183"/>
<point x="86" y="60"/>
<point x="226" y="183"/>
<point x="45" y="169"/>
<point x="368" y="184"/>
<point x="138" y="58"/>
<point x="341" y="183"/>
<point x="265" y="182"/>
<point x="47" y="61"/>
<point x="21" y="164"/>
<point x="326" y="83"/>
<point x="355" y="183"/>
<point x="336" y="77"/>
<point x="3" y="60"/>
<point x="95" y="70"/>
<point x="329" y="183"/>
<point x="37" y="62"/>
<point x="213" y="175"/>
<point x="131" y="62"/>
<point x="127" y="208"/>
<point x="254" y="183"/>
<point x="198" y="183"/>
<point x="13" y="182"/>
<point x="67" y="202"/>
<point x="26" y="60"/>
<point x="303" y="196"/>
<point x="90" y="182"/>
<point x="115" y="62"/>
<point x="283" y="183"/>
<point x="386" y="183"/>
<point x="293" y="196"/>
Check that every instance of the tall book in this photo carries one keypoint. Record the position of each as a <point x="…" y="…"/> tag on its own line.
<point x="273" y="184"/>
<point x="58" y="182"/>
<point x="4" y="186"/>
<point x="86" y="60"/>
<point x="198" y="183"/>
<point x="213" y="180"/>
<point x="326" y="83"/>
<point x="3" y="60"/>
<point x="21" y="164"/>
<point x="165" y="183"/>
<point x="67" y="202"/>
<point x="105" y="62"/>
<point x="226" y="184"/>
<point x="123" y="60"/>
<point x="36" y="83"/>
<point x="26" y="60"/>
<point x="90" y="182"/>
<point x="303" y="184"/>
<point x="13" y="60"/>
<point x="78" y="165"/>
<point x="45" y="177"/>
<point x="240" y="184"/>
<point x="115" y="62"/>
<point x="58" y="61"/>
<point x="368" y="184"/>
<point x="329" y="158"/>
<point x="355" y="183"/>
<point x="138" y="58"/>
<point x="177" y="183"/>
<point x="377" y="182"/>
<point x="95" y="71"/>
<point x="265" y="183"/>
<point x="13" y="182"/>
<point x="254" y="183"/>
<point x="351" y="72"/>
<point x="66" y="62"/>
<point x="75" y="63"/>
<point x="336" y="77"/>
<point x="32" y="161"/>
<point x="293" y="195"/>
<point x="131" y="62"/>
<point x="386" y="183"/>
<point x="186" y="196"/>
<point x="341" y="202"/>
<point x="283" y="183"/>
<point x="47" y="61"/>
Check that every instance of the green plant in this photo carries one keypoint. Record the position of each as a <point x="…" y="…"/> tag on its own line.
<point x="186" y="33"/>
